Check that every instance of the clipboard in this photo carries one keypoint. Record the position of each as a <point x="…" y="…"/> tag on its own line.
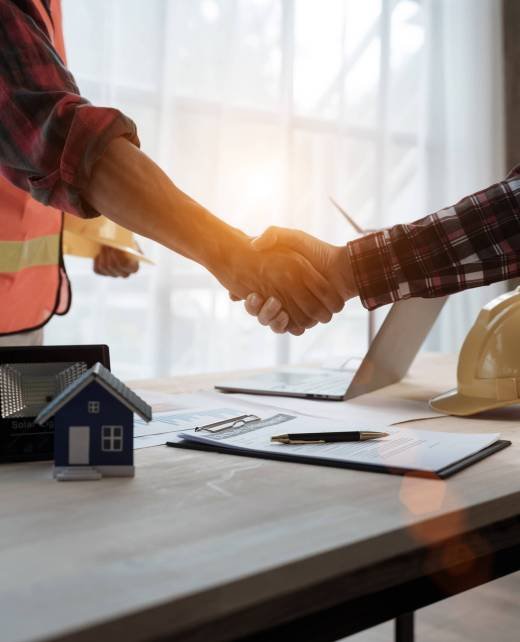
<point x="85" y="237"/>
<point x="442" y="473"/>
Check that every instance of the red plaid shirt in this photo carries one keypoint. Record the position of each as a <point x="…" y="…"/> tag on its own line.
<point x="50" y="136"/>
<point x="475" y="242"/>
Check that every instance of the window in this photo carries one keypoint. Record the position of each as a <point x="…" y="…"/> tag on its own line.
<point x="261" y="110"/>
<point x="93" y="407"/>
<point x="112" y="439"/>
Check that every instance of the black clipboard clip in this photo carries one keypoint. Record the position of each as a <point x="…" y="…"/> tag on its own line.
<point x="232" y="422"/>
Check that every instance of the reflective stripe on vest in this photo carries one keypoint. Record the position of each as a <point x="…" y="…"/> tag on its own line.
<point x="19" y="255"/>
<point x="33" y="285"/>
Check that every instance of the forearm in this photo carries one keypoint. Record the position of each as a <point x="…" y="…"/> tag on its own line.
<point x="473" y="243"/>
<point x="130" y="189"/>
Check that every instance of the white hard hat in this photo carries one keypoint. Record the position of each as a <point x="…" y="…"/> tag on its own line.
<point x="488" y="372"/>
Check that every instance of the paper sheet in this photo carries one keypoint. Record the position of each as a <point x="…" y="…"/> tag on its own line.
<point x="405" y="448"/>
<point x="365" y="409"/>
<point x="161" y="401"/>
<point x="187" y="411"/>
<point x="169" y="412"/>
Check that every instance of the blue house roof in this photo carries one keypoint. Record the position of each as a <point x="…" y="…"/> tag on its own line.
<point x="105" y="378"/>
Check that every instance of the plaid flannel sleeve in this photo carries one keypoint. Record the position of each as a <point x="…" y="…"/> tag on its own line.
<point x="50" y="136"/>
<point x="475" y="242"/>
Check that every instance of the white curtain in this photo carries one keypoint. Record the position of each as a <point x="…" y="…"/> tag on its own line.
<point x="466" y="128"/>
<point x="261" y="109"/>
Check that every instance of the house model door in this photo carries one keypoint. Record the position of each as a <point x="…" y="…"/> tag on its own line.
<point x="79" y="445"/>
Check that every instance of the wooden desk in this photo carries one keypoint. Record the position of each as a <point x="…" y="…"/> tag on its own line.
<point x="206" y="547"/>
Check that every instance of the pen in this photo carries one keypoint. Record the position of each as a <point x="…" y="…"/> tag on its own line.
<point x="327" y="437"/>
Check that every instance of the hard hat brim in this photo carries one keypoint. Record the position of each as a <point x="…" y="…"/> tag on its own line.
<point x="453" y="403"/>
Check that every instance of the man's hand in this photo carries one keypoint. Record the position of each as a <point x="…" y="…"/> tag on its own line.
<point x="282" y="275"/>
<point x="131" y="190"/>
<point x="329" y="260"/>
<point x="112" y="262"/>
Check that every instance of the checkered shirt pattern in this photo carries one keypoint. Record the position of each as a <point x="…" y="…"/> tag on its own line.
<point x="50" y="136"/>
<point x="475" y="242"/>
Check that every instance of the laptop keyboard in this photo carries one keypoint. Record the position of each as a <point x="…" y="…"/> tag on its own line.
<point x="323" y="384"/>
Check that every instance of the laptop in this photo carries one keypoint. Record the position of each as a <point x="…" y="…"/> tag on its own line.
<point x="388" y="359"/>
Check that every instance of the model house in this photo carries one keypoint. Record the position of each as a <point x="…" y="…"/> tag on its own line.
<point x="94" y="426"/>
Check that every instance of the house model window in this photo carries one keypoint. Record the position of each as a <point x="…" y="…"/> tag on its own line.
<point x="112" y="438"/>
<point x="93" y="407"/>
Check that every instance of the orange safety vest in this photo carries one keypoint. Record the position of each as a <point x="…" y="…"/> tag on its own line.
<point x="33" y="281"/>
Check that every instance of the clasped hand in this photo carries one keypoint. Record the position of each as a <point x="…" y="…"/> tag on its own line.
<point x="302" y="281"/>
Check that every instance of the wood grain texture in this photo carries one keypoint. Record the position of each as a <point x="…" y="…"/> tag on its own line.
<point x="197" y="537"/>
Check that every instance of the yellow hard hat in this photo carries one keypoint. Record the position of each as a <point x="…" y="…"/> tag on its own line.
<point x="488" y="373"/>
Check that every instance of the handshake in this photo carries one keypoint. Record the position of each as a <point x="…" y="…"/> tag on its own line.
<point x="289" y="280"/>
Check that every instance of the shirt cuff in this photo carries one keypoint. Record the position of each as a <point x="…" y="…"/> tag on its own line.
<point x="91" y="130"/>
<point x="377" y="273"/>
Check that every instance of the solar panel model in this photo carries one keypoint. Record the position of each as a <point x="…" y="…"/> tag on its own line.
<point x="30" y="378"/>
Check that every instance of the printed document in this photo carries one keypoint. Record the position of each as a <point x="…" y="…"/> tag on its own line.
<point x="405" y="448"/>
<point x="175" y="413"/>
<point x="185" y="412"/>
<point x="371" y="407"/>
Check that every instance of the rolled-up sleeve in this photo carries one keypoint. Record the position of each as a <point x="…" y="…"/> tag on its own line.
<point x="472" y="243"/>
<point x="50" y="136"/>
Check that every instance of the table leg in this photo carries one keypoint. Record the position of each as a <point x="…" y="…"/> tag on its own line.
<point x="404" y="627"/>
